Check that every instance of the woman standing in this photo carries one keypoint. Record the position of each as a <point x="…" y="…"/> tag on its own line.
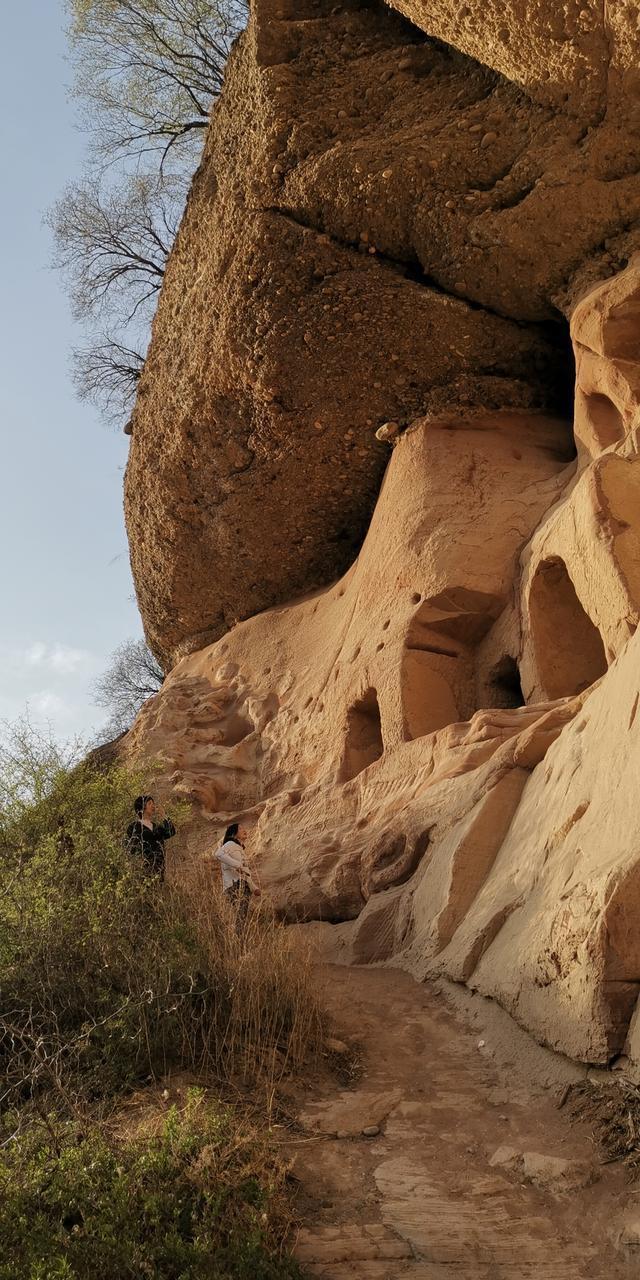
<point x="237" y="883"/>
<point x="146" y="837"/>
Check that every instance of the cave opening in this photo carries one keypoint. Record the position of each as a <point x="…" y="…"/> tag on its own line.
<point x="568" y="647"/>
<point x="504" y="684"/>
<point x="363" y="740"/>
<point x="605" y="418"/>
<point x="563" y="375"/>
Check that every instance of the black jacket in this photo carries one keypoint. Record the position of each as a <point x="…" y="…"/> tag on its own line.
<point x="148" y="844"/>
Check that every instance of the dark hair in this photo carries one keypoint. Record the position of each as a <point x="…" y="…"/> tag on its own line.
<point x="231" y="833"/>
<point x="139" y="804"/>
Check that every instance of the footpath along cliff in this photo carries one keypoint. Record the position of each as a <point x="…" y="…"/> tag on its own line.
<point x="383" y="494"/>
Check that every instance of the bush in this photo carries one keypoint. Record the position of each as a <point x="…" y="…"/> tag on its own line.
<point x="110" y="978"/>
<point x="95" y="976"/>
<point x="202" y="1199"/>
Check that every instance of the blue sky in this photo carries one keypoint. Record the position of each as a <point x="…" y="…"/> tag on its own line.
<point x="67" y="595"/>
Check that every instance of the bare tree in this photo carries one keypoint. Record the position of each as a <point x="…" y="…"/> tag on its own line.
<point x="132" y="676"/>
<point x="112" y="243"/>
<point x="146" y="74"/>
<point x="147" y="71"/>
<point x="106" y="374"/>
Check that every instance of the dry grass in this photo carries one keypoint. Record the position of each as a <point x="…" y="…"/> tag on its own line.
<point x="263" y="989"/>
<point x="344" y="1062"/>
<point x="613" y="1112"/>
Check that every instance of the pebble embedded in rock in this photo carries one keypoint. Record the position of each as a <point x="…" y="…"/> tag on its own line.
<point x="388" y="431"/>
<point x="371" y="1131"/>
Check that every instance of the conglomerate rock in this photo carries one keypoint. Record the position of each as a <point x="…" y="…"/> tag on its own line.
<point x="437" y="752"/>
<point x="576" y="55"/>
<point x="379" y="226"/>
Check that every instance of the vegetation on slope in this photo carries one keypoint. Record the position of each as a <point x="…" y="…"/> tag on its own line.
<point x="201" y="1199"/>
<point x="112" y="982"/>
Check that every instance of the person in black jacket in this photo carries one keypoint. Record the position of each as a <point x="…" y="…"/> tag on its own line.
<point x="145" y="838"/>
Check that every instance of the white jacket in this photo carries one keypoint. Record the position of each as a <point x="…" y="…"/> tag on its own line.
<point x="232" y="864"/>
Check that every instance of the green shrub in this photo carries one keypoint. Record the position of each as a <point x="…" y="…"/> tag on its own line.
<point x="97" y="980"/>
<point x="107" y="976"/>
<point x="109" y="979"/>
<point x="202" y="1200"/>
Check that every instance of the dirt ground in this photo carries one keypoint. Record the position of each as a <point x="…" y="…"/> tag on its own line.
<point x="471" y="1170"/>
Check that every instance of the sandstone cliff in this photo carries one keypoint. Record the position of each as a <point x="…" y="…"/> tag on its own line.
<point x="433" y="731"/>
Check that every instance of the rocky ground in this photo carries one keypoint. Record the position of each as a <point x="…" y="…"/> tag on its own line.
<point x="450" y="1157"/>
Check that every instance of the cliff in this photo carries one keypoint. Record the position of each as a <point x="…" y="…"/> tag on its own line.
<point x="408" y="656"/>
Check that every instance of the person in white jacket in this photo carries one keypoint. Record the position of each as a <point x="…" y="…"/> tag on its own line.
<point x="237" y="882"/>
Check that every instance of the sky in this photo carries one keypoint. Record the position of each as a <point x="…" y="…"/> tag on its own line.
<point x="66" y="592"/>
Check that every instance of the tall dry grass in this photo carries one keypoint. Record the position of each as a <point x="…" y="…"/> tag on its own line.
<point x="263" y="991"/>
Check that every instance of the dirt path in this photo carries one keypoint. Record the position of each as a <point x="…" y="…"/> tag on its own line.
<point x="426" y="1197"/>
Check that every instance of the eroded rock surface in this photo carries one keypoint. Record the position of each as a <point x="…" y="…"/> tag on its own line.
<point x="436" y="752"/>
<point x="439" y="750"/>
<point x="577" y="56"/>
<point x="380" y="227"/>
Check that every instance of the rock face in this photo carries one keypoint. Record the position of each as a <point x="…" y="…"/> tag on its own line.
<point x="437" y="751"/>
<point x="576" y="57"/>
<point x="380" y="227"/>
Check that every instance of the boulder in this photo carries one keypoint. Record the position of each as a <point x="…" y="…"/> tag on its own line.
<point x="550" y="1173"/>
<point x="507" y="1158"/>
<point x="380" y="228"/>
<point x="351" y="1114"/>
<point x="555" y="1172"/>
